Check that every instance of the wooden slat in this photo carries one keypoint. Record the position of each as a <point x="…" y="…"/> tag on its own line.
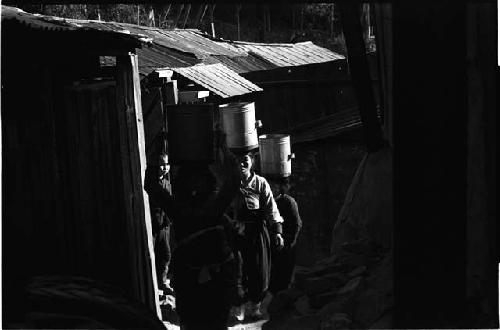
<point x="138" y="216"/>
<point x="361" y="80"/>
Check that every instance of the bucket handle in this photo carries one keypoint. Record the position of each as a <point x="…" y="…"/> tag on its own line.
<point x="258" y="124"/>
<point x="291" y="156"/>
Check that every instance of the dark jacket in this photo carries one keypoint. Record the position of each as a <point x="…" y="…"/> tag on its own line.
<point x="193" y="215"/>
<point x="292" y="223"/>
<point x="159" y="218"/>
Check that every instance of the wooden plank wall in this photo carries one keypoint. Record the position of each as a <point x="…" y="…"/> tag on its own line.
<point x="151" y="105"/>
<point x="73" y="168"/>
<point x="133" y="144"/>
<point x="298" y="95"/>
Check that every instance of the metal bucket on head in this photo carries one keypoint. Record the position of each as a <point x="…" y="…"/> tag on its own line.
<point x="239" y="125"/>
<point x="275" y="155"/>
<point x="191" y="134"/>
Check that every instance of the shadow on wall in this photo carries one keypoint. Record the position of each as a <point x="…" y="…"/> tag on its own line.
<point x="322" y="174"/>
<point x="367" y="210"/>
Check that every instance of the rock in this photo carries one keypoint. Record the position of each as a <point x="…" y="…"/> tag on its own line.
<point x="322" y="299"/>
<point x="302" y="306"/>
<point x="372" y="304"/>
<point x="384" y="322"/>
<point x="292" y="294"/>
<point x="301" y="274"/>
<point x="337" y="321"/>
<point x="303" y="322"/>
<point x="283" y="300"/>
<point x="327" y="261"/>
<point x="352" y="261"/>
<point x="377" y="298"/>
<point x="352" y="286"/>
<point x="337" y="267"/>
<point x="337" y="279"/>
<point x="334" y="306"/>
<point x="275" y="322"/>
<point x="357" y="271"/>
<point x="361" y="246"/>
<point x="290" y="322"/>
<point x="316" y="285"/>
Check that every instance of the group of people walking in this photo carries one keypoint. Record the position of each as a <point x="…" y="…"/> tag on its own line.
<point x="235" y="238"/>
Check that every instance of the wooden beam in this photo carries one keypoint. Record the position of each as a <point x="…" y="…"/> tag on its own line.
<point x="430" y="164"/>
<point x="192" y="96"/>
<point x="358" y="66"/>
<point x="164" y="73"/>
<point x="138" y="217"/>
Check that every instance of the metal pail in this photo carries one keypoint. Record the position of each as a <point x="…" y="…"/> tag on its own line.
<point x="239" y="125"/>
<point x="275" y="155"/>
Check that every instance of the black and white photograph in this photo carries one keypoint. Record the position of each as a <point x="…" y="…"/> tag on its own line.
<point x="274" y="165"/>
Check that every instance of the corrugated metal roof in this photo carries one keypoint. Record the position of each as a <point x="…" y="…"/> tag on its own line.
<point x="156" y="56"/>
<point x="180" y="49"/>
<point x="283" y="55"/>
<point x="218" y="79"/>
<point x="327" y="126"/>
<point x="242" y="64"/>
<point x="52" y="23"/>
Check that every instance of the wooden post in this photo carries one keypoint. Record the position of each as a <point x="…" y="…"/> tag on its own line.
<point x="188" y="11"/>
<point x="202" y="16"/>
<point x="360" y="74"/>
<point x="199" y="12"/>
<point x="212" y="24"/>
<point x="238" y="9"/>
<point x="132" y="145"/>
<point x="430" y="164"/>
<point x="178" y="15"/>
<point x="383" y="32"/>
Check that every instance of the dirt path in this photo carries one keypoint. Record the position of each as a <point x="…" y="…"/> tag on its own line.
<point x="247" y="326"/>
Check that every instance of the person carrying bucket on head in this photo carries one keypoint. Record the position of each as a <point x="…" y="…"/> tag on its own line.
<point x="276" y="165"/>
<point x="256" y="216"/>
<point x="259" y="227"/>
<point x="283" y="260"/>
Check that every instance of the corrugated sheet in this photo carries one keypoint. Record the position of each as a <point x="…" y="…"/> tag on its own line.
<point x="52" y="23"/>
<point x="242" y="64"/>
<point x="218" y="79"/>
<point x="180" y="49"/>
<point x="327" y="126"/>
<point x="156" y="56"/>
<point x="283" y="55"/>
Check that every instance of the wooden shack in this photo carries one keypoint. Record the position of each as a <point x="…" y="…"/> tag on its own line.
<point x="73" y="157"/>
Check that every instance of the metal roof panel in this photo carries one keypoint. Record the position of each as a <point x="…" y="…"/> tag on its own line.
<point x="218" y="79"/>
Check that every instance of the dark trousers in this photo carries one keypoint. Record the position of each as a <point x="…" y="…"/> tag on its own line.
<point x="282" y="269"/>
<point x="254" y="247"/>
<point x="162" y="254"/>
<point x="204" y="305"/>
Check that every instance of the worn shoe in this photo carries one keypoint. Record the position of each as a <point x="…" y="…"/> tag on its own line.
<point x="165" y="289"/>
<point x="253" y="311"/>
<point x="236" y="315"/>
